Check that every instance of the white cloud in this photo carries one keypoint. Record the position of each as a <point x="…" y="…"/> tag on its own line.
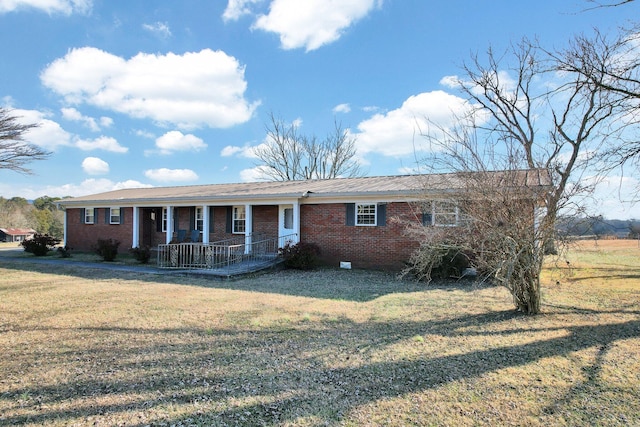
<point x="342" y="108"/>
<point x="89" y="186"/>
<point x="238" y="8"/>
<point x="195" y="89"/>
<point x="398" y="132"/>
<point x="48" y="134"/>
<point x="161" y="29"/>
<point x="171" y="175"/>
<point x="230" y="150"/>
<point x="95" y="166"/>
<point x="253" y="174"/>
<point x="177" y="141"/>
<point x="312" y="23"/>
<point x="144" y="134"/>
<point x="503" y="79"/>
<point x="106" y="121"/>
<point x="106" y="143"/>
<point x="76" y="116"/>
<point x="247" y="151"/>
<point x="66" y="7"/>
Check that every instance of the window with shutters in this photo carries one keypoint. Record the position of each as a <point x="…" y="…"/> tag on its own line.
<point x="114" y="216"/>
<point x="89" y="216"/>
<point x="199" y="220"/>
<point x="441" y="213"/>
<point x="239" y="219"/>
<point x="366" y="214"/>
<point x="164" y="219"/>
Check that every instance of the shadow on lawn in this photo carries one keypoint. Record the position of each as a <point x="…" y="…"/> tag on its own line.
<point x="271" y="376"/>
<point x="325" y="283"/>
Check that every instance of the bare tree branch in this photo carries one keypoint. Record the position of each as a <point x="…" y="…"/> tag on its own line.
<point x="287" y="155"/>
<point x="15" y="153"/>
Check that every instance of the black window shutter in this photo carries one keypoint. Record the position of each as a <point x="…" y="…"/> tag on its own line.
<point x="381" y="219"/>
<point x="159" y="219"/>
<point x="211" y="221"/>
<point x="175" y="219"/>
<point x="426" y="218"/>
<point x="122" y="215"/>
<point x="351" y="213"/>
<point x="192" y="218"/>
<point x="107" y="215"/>
<point x="229" y="219"/>
<point x="82" y="215"/>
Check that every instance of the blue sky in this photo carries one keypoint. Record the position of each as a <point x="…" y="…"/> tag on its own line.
<point x="155" y="93"/>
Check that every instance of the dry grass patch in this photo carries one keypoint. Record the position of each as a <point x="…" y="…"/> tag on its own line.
<point x="331" y="347"/>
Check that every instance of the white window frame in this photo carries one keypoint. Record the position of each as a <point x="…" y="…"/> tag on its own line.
<point x="89" y="213"/>
<point x="361" y="215"/>
<point x="287" y="218"/>
<point x="239" y="220"/>
<point x="112" y="216"/>
<point x="438" y="212"/>
<point x="199" y="219"/>
<point x="164" y="220"/>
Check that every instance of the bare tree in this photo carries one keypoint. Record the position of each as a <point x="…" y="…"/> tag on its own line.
<point x="612" y="65"/>
<point x="524" y="116"/>
<point x="287" y="155"/>
<point x="15" y="153"/>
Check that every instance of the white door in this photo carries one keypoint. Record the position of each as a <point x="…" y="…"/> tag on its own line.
<point x="285" y="224"/>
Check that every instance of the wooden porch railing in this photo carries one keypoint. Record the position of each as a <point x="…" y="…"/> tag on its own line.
<point x="222" y="254"/>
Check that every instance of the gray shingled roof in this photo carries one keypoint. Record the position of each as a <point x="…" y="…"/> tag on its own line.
<point x="376" y="186"/>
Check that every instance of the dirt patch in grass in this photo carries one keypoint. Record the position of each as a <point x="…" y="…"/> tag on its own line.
<point x="330" y="347"/>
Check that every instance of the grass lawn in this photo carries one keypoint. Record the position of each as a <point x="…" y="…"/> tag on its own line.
<point x="85" y="346"/>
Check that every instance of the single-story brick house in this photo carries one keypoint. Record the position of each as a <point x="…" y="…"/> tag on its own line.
<point x="351" y="219"/>
<point x="16" y="234"/>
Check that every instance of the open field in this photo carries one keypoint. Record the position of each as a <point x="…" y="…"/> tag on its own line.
<point x="333" y="347"/>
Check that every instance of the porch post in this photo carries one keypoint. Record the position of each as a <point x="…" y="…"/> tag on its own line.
<point x="296" y="220"/>
<point x="135" y="239"/>
<point x="248" y="227"/>
<point x="169" y="234"/>
<point x="64" y="228"/>
<point x="205" y="225"/>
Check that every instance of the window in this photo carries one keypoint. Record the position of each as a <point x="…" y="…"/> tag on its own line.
<point x="441" y="213"/>
<point x="89" y="217"/>
<point x="114" y="216"/>
<point x="366" y="214"/>
<point x="239" y="219"/>
<point x="288" y="218"/>
<point x="164" y="220"/>
<point x="199" y="218"/>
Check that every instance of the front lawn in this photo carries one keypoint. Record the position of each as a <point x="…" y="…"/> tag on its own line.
<point x="332" y="347"/>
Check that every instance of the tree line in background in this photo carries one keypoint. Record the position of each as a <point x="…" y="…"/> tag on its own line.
<point x="41" y="215"/>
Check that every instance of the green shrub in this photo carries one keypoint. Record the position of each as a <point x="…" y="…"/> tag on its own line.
<point x="141" y="255"/>
<point x="107" y="249"/>
<point x="39" y="244"/>
<point x="301" y="256"/>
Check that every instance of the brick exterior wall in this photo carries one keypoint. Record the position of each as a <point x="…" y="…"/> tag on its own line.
<point x="375" y="247"/>
<point x="378" y="247"/>
<point x="83" y="237"/>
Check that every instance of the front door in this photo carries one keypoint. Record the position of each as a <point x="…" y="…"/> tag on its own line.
<point x="285" y="224"/>
<point x="148" y="226"/>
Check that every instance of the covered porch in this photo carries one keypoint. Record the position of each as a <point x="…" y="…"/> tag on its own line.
<point x="225" y="258"/>
<point x="215" y="237"/>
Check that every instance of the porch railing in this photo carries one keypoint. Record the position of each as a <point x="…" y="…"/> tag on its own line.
<point x="226" y="254"/>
